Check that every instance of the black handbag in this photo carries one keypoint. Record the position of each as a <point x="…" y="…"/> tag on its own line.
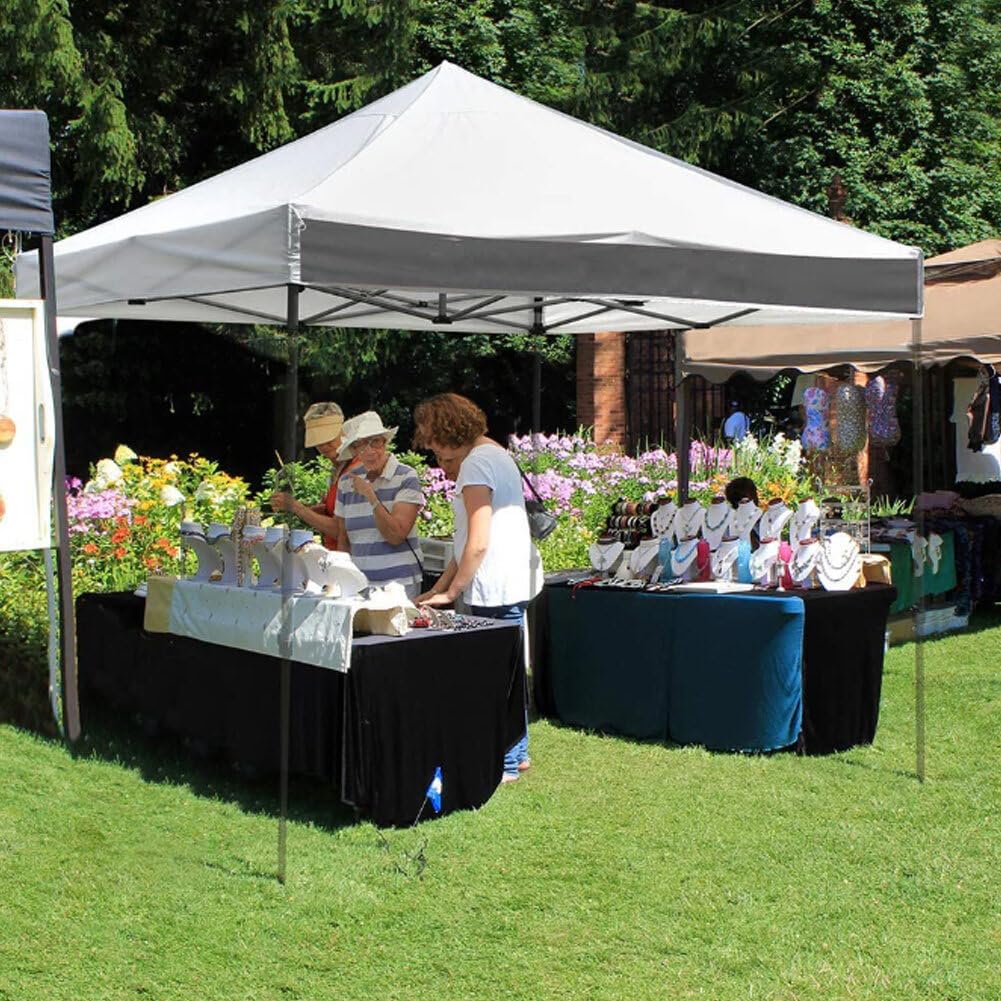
<point x="540" y="521"/>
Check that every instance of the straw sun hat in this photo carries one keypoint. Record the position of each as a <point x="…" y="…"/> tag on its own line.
<point x="324" y="422"/>
<point x="366" y="425"/>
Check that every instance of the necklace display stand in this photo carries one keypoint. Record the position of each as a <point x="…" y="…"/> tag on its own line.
<point x="662" y="520"/>
<point x="763" y="561"/>
<point x="804" y="562"/>
<point x="717" y="522"/>
<point x="685" y="562"/>
<point x="744" y="518"/>
<point x="604" y="555"/>
<point x="644" y="558"/>
<point x="839" y="562"/>
<point x="774" y="520"/>
<point x="209" y="561"/>
<point x="804" y="520"/>
<point x="725" y="560"/>
<point x="688" y="521"/>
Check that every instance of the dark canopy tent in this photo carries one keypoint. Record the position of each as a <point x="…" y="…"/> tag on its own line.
<point x="26" y="207"/>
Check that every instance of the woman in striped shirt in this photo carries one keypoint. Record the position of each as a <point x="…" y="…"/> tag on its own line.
<point x="378" y="506"/>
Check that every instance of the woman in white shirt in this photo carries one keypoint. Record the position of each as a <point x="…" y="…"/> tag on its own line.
<point x="494" y="554"/>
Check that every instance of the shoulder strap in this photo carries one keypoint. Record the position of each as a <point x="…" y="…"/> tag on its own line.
<point x="531" y="486"/>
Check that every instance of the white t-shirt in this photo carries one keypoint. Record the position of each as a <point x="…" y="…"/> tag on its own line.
<point x="505" y="575"/>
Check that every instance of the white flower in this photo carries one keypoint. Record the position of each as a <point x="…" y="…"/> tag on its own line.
<point x="205" y="491"/>
<point x="106" y="474"/>
<point x="124" y="454"/>
<point x="170" y="496"/>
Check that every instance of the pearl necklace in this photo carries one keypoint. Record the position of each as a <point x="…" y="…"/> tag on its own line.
<point x="834" y="575"/>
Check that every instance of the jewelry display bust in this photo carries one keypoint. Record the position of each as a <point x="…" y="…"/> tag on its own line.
<point x="725" y="560"/>
<point x="934" y="551"/>
<point x="763" y="561"/>
<point x="685" y="561"/>
<point x="662" y="520"/>
<point x="643" y="559"/>
<point x="839" y="562"/>
<point x="774" y="520"/>
<point x="689" y="520"/>
<point x="804" y="520"/>
<point x="716" y="523"/>
<point x="919" y="549"/>
<point x="804" y="562"/>
<point x="604" y="555"/>
<point x="744" y="518"/>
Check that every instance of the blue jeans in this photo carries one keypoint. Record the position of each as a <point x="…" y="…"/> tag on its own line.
<point x="517" y="754"/>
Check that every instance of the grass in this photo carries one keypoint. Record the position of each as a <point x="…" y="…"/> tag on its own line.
<point x="613" y="870"/>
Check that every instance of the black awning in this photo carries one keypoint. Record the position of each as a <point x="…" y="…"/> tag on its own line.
<point x="25" y="173"/>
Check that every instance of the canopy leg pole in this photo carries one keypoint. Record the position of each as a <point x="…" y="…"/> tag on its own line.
<point x="285" y="634"/>
<point x="681" y="429"/>
<point x="919" y="605"/>
<point x="67" y="620"/>
<point x="536" y="392"/>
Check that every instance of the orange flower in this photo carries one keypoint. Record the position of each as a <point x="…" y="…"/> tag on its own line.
<point x="152" y="562"/>
<point x="162" y="543"/>
<point x="170" y="550"/>
<point x="140" y="519"/>
<point x="90" y="549"/>
<point x="120" y="535"/>
<point x="121" y="552"/>
<point x="122" y="521"/>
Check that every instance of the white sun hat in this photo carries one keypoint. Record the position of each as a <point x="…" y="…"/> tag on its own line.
<point x="366" y="425"/>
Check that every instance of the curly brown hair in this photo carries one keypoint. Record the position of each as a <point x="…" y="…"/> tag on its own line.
<point x="448" y="419"/>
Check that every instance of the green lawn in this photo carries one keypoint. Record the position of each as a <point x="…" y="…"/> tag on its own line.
<point x="614" y="870"/>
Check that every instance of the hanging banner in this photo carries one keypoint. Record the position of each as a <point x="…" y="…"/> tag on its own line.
<point x="27" y="437"/>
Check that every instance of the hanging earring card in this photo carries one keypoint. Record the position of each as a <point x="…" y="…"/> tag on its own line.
<point x="27" y="436"/>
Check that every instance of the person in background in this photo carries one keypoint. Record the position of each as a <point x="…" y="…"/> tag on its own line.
<point x="737" y="423"/>
<point x="378" y="505"/>
<point x="325" y="426"/>
<point x="494" y="554"/>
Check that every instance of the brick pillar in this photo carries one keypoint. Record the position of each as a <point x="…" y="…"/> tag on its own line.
<point x="601" y="386"/>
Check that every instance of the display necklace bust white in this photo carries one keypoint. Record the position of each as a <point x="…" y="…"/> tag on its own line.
<point x="689" y="521"/>
<point x="683" y="558"/>
<point x="717" y="521"/>
<point x="804" y="520"/>
<point x="839" y="562"/>
<point x="763" y="561"/>
<point x="804" y="562"/>
<point x="744" y="518"/>
<point x="662" y="519"/>
<point x="774" y="519"/>
<point x="725" y="559"/>
<point x="604" y="555"/>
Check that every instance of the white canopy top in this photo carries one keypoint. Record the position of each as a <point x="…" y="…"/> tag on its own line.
<point x="455" y="201"/>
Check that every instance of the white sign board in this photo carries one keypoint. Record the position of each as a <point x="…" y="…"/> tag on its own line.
<point x="27" y="435"/>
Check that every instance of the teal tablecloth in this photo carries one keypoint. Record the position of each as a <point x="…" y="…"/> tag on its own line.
<point x="720" y="671"/>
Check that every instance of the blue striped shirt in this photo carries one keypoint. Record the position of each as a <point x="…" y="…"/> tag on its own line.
<point x="379" y="560"/>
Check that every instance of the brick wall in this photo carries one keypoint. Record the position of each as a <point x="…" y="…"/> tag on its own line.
<point x="601" y="386"/>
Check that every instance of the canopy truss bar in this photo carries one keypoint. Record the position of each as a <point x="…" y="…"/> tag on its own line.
<point x="277" y="321"/>
<point x="578" y="318"/>
<point x="474" y="311"/>
<point x="324" y="314"/>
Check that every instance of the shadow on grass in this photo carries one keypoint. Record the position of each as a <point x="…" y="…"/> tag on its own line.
<point x="165" y="759"/>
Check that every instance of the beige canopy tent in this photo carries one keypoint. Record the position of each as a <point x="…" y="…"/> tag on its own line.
<point x="962" y="319"/>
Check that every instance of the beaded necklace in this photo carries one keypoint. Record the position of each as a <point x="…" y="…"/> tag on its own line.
<point x="724" y="514"/>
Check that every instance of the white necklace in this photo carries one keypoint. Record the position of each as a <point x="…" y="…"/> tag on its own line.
<point x="839" y="562"/>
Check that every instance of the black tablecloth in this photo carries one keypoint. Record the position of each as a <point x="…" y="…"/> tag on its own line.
<point x="843" y="644"/>
<point x="378" y="732"/>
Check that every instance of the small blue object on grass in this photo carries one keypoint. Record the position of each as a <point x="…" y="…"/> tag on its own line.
<point x="434" y="790"/>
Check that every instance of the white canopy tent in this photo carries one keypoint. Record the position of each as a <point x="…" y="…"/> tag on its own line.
<point x="456" y="204"/>
<point x="453" y="201"/>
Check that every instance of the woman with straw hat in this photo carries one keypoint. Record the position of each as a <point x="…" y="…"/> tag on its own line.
<point x="378" y="505"/>
<point x="325" y="432"/>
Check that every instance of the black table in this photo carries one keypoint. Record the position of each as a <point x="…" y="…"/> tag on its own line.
<point x="408" y="705"/>
<point x="624" y="670"/>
